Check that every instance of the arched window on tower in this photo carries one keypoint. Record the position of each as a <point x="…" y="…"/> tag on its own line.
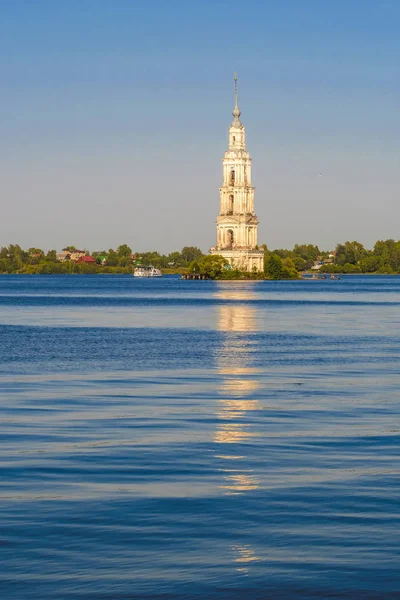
<point x="229" y="238"/>
<point x="232" y="177"/>
<point x="230" y="205"/>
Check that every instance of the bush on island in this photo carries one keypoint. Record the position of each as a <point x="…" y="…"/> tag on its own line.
<point x="276" y="267"/>
<point x="210" y="266"/>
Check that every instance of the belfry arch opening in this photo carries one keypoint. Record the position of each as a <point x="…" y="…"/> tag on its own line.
<point x="229" y="238"/>
<point x="230" y="205"/>
<point x="232" y="177"/>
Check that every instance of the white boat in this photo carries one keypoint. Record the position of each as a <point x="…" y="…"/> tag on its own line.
<point x="147" y="272"/>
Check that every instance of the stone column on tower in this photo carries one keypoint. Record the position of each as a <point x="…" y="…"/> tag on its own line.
<point x="237" y="221"/>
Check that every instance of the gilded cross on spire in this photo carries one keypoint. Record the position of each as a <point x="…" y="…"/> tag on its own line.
<point x="236" y="111"/>
<point x="236" y="88"/>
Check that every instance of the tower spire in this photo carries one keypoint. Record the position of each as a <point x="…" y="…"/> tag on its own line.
<point x="236" y="88"/>
<point x="236" y="111"/>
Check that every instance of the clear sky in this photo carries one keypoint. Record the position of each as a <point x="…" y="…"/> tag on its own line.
<point x="115" y="117"/>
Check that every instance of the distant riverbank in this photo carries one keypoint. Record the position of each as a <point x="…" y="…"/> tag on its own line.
<point x="348" y="258"/>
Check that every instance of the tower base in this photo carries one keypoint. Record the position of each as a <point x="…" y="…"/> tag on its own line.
<point x="241" y="258"/>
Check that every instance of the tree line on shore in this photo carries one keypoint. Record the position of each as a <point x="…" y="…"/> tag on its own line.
<point x="350" y="257"/>
<point x="14" y="259"/>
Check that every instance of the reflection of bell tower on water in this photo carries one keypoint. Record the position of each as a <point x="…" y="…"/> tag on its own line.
<point x="237" y="221"/>
<point x="239" y="382"/>
<point x="238" y="321"/>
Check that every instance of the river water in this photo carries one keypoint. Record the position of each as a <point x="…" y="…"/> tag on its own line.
<point x="180" y="439"/>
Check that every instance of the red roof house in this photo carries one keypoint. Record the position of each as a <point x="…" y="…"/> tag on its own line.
<point x="86" y="259"/>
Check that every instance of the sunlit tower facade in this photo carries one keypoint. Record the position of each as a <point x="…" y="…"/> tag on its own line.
<point x="237" y="222"/>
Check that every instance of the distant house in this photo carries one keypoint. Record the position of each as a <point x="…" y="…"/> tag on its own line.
<point x="317" y="265"/>
<point x="320" y="262"/>
<point x="89" y="260"/>
<point x="73" y="255"/>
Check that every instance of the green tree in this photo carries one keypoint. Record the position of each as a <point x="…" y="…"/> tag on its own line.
<point x="331" y="268"/>
<point x="176" y="258"/>
<point x="370" y="264"/>
<point x="153" y="258"/>
<point x="112" y="258"/>
<point x="351" y="268"/>
<point x="307" y="251"/>
<point x="194" y="267"/>
<point x="124" y="261"/>
<point x="282" y="252"/>
<point x="274" y="268"/>
<point x="5" y="265"/>
<point x="17" y="256"/>
<point x="300" y="263"/>
<point x="124" y="251"/>
<point x="290" y="268"/>
<point x="51" y="256"/>
<point x="388" y="253"/>
<point x="279" y="268"/>
<point x="35" y="254"/>
<point x="350" y="252"/>
<point x="385" y="270"/>
<point x="190" y="253"/>
<point x="210" y="266"/>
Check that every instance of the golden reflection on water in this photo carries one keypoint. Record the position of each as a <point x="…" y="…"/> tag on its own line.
<point x="231" y="433"/>
<point x="238" y="386"/>
<point x="239" y="482"/>
<point x="243" y="555"/>
<point x="239" y="381"/>
<point x="234" y="357"/>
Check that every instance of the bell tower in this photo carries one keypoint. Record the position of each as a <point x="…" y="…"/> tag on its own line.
<point x="237" y="221"/>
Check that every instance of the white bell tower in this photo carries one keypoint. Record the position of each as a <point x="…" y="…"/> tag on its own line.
<point x="237" y="221"/>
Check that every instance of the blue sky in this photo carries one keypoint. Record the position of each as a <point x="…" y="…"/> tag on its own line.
<point x="115" y="117"/>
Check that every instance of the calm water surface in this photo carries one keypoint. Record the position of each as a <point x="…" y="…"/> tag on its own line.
<point x="171" y="439"/>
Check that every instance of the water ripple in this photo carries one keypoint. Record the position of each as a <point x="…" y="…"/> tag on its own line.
<point x="222" y="441"/>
